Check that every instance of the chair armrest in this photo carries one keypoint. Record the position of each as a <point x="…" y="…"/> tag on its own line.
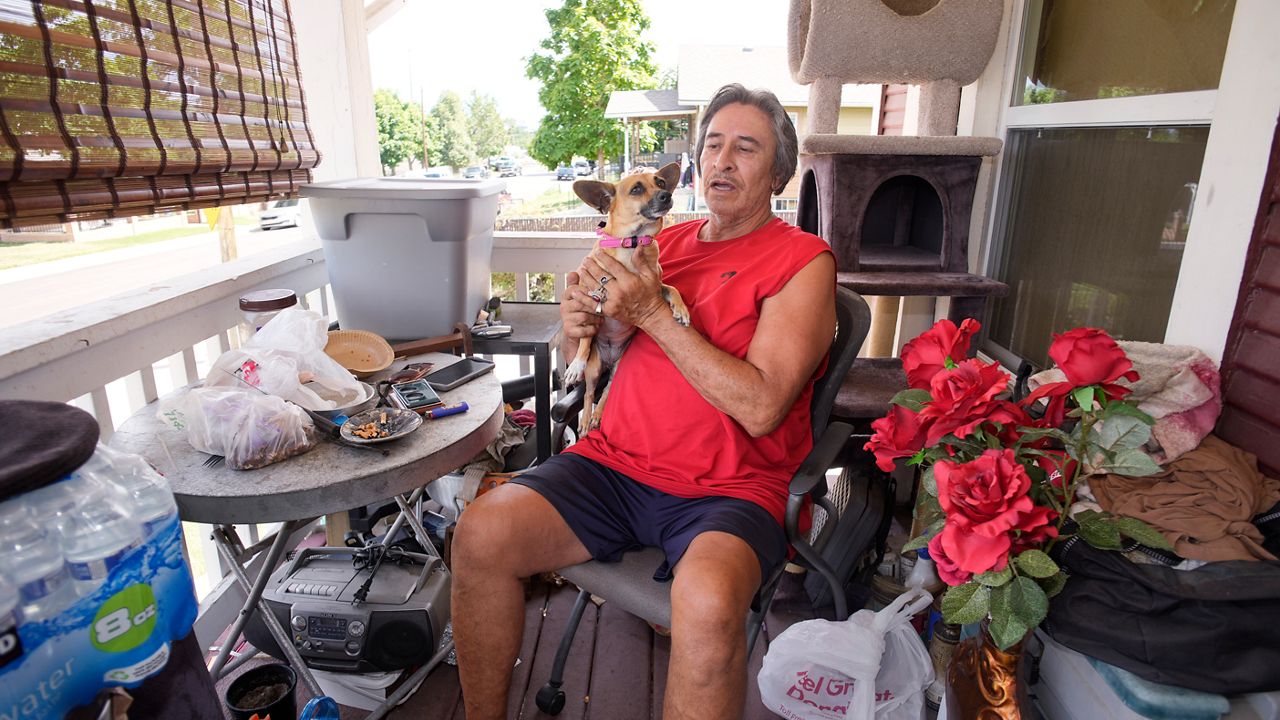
<point x="569" y="404"/>
<point x="810" y="481"/>
<point x="813" y="471"/>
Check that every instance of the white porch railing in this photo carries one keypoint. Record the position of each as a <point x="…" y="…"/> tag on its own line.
<point x="113" y="357"/>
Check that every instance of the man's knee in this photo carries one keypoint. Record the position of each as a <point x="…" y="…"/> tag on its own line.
<point x="485" y="535"/>
<point x="708" y="607"/>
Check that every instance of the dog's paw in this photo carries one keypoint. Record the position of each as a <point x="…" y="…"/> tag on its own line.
<point x="681" y="314"/>
<point x="575" y="372"/>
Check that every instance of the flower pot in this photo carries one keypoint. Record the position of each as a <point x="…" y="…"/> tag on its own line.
<point x="986" y="682"/>
<point x="262" y="691"/>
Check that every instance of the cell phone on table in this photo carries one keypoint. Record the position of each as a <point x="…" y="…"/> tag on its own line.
<point x="465" y="370"/>
<point x="417" y="396"/>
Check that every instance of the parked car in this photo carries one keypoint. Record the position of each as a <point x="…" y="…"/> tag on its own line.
<point x="582" y="167"/>
<point x="281" y="213"/>
<point x="437" y="173"/>
<point x="495" y="162"/>
<point x="564" y="172"/>
<point x="508" y="168"/>
<point x="475" y="171"/>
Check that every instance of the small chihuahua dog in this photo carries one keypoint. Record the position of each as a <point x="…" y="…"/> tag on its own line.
<point x="635" y="209"/>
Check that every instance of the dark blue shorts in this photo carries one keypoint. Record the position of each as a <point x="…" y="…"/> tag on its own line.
<point x="612" y="514"/>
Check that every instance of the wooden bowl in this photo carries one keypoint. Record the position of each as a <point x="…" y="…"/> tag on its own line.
<point x="360" y="351"/>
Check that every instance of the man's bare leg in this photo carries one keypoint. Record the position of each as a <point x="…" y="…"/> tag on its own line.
<point x="710" y="596"/>
<point x="506" y="535"/>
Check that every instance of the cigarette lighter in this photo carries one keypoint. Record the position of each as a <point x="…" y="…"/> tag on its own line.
<point x="437" y="413"/>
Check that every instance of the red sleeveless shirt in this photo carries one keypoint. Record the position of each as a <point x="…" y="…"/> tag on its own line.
<point x="656" y="428"/>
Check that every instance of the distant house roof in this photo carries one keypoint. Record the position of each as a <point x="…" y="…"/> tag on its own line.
<point x="644" y="104"/>
<point x="703" y="69"/>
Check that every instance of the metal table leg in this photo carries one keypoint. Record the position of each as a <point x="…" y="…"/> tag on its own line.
<point x="251" y="604"/>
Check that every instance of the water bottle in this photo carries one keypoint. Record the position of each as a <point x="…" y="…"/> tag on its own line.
<point x="96" y="534"/>
<point x="31" y="558"/>
<point x="10" y="644"/>
<point x="143" y="490"/>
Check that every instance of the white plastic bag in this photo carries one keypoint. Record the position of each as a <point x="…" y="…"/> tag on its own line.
<point x="246" y="427"/>
<point x="871" y="665"/>
<point x="286" y="358"/>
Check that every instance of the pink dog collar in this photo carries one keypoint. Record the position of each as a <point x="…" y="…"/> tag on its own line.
<point x="609" y="241"/>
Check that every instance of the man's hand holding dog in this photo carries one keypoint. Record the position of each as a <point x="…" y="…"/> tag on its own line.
<point x="634" y="298"/>
<point x="577" y="310"/>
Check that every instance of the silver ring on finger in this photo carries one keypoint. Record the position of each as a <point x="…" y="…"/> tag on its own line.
<point x="604" y="280"/>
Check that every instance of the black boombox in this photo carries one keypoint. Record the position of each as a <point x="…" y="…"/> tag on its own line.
<point x="396" y="625"/>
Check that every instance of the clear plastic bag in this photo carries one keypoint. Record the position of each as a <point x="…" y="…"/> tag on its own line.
<point x="872" y="665"/>
<point x="246" y="427"/>
<point x="286" y="358"/>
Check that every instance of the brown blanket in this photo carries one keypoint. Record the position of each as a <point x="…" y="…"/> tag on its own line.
<point x="1202" y="502"/>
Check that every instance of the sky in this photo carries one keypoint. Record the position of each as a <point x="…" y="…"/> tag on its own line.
<point x="434" y="45"/>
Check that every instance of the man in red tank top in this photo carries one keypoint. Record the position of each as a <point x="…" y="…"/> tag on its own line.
<point x="703" y="428"/>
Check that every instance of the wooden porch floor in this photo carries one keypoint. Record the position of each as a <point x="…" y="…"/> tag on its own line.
<point x="616" y="671"/>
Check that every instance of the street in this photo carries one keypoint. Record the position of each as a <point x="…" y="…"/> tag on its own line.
<point x="34" y="291"/>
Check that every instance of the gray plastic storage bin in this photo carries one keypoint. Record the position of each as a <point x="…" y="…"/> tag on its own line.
<point x="407" y="257"/>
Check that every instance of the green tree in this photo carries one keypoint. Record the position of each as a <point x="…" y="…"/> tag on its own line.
<point x="398" y="131"/>
<point x="595" y="47"/>
<point x="449" y="129"/>
<point x="488" y="129"/>
<point x="519" y="135"/>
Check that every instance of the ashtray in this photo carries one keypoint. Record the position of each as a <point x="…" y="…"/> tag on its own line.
<point x="380" y="425"/>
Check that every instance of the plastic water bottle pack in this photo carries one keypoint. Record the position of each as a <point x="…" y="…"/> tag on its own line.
<point x="93" y="586"/>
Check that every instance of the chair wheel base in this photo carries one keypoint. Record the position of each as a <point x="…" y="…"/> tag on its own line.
<point x="550" y="699"/>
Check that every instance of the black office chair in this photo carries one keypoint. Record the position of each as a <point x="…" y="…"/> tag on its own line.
<point x="629" y="583"/>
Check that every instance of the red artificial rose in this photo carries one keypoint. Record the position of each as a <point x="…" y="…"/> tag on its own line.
<point x="965" y="397"/>
<point x="1087" y="356"/>
<point x="927" y="354"/>
<point x="1059" y="468"/>
<point x="950" y="573"/>
<point x="899" y="434"/>
<point x="987" y="506"/>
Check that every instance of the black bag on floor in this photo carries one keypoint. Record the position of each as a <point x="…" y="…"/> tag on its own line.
<point x="1216" y="628"/>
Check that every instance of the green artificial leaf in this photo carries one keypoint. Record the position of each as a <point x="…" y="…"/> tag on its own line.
<point x="1052" y="585"/>
<point x="1027" y="601"/>
<point x="1006" y="627"/>
<point x="1132" y="462"/>
<point x="917" y="458"/>
<point x="1143" y="533"/>
<point x="929" y="512"/>
<point x="1123" y="431"/>
<point x="995" y="578"/>
<point x="912" y="399"/>
<point x="1036" y="564"/>
<point x="1084" y="397"/>
<point x="965" y="604"/>
<point x="1100" y="531"/>
<point x="916" y="543"/>
<point x="1123" y="408"/>
<point x="1006" y="630"/>
<point x="1032" y="434"/>
<point x="929" y="482"/>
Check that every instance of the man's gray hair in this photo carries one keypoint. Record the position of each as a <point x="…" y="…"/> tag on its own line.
<point x="784" y="131"/>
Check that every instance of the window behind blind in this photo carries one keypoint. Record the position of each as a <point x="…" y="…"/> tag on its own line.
<point x="110" y="108"/>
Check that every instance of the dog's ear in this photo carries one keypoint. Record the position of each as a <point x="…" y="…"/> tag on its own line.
<point x="670" y="174"/>
<point x="595" y="193"/>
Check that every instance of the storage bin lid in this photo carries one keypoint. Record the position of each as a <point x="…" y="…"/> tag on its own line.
<point x="403" y="188"/>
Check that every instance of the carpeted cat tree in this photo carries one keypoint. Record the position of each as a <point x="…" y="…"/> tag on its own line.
<point x="895" y="210"/>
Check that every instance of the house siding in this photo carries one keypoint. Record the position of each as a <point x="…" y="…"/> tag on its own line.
<point x="1251" y="360"/>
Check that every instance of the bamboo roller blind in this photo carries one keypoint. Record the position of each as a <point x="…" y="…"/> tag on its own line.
<point x="111" y="108"/>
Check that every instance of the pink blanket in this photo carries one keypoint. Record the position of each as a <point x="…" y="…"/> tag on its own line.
<point x="1178" y="386"/>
